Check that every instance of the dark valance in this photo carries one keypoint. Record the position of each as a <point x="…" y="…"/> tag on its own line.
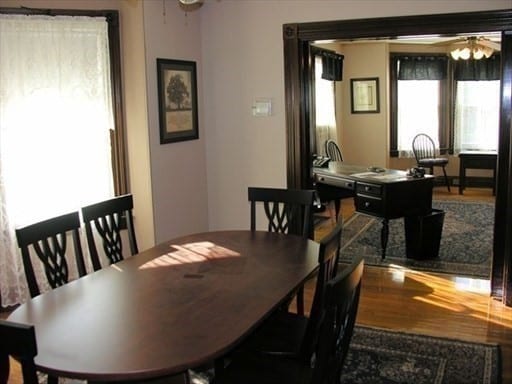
<point x="332" y="64"/>
<point x="478" y="70"/>
<point x="424" y="67"/>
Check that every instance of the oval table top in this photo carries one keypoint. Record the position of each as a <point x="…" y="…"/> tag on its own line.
<point x="175" y="306"/>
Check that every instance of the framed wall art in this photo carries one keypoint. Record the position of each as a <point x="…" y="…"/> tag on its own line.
<point x="365" y="95"/>
<point x="177" y="100"/>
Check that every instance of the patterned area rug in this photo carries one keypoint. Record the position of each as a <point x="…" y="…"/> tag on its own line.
<point x="465" y="248"/>
<point x="384" y="357"/>
<point x="379" y="356"/>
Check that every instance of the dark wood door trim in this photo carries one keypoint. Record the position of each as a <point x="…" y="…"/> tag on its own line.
<point x="298" y="36"/>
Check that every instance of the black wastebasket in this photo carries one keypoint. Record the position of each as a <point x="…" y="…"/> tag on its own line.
<point x="423" y="235"/>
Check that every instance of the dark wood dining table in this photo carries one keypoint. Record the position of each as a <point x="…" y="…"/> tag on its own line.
<point x="173" y="307"/>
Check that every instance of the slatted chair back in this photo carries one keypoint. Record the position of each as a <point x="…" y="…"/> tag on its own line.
<point x="328" y="259"/>
<point x="48" y="239"/>
<point x="286" y="210"/>
<point x="423" y="147"/>
<point x="337" y="323"/>
<point x="333" y="151"/>
<point x="110" y="217"/>
<point x="18" y="341"/>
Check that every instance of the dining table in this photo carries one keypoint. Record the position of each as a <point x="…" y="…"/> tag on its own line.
<point x="179" y="305"/>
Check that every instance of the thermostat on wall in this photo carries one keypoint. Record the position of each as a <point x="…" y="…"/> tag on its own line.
<point x="262" y="107"/>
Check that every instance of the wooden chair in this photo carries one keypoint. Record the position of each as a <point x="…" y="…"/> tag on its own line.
<point x="287" y="211"/>
<point x="335" y="329"/>
<point x="295" y="334"/>
<point x="425" y="153"/>
<point x="18" y="341"/>
<point x="109" y="218"/>
<point x="333" y="151"/>
<point x="328" y="194"/>
<point x="48" y="238"/>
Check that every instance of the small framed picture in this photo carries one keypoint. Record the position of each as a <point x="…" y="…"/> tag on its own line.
<point x="177" y="100"/>
<point x="365" y="95"/>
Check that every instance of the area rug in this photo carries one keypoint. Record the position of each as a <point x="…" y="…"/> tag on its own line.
<point x="465" y="248"/>
<point x="379" y="356"/>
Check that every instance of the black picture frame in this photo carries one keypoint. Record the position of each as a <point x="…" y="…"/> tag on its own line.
<point x="177" y="100"/>
<point x="365" y="95"/>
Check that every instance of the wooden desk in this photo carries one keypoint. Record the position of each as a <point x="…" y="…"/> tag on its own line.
<point x="477" y="160"/>
<point x="387" y="195"/>
<point x="170" y="308"/>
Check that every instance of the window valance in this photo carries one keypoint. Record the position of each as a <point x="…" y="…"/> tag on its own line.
<point x="478" y="70"/>
<point x="422" y="67"/>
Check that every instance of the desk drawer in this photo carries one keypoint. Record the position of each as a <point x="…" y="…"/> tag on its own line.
<point x="369" y="189"/>
<point x="370" y="205"/>
<point x="335" y="181"/>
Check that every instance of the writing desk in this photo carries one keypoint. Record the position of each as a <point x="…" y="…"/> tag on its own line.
<point x="175" y="306"/>
<point x="388" y="195"/>
<point x="476" y="160"/>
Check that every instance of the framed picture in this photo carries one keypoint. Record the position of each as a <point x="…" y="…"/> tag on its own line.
<point x="177" y="100"/>
<point x="365" y="95"/>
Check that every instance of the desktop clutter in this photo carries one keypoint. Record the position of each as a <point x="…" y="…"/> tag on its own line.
<point x="416" y="172"/>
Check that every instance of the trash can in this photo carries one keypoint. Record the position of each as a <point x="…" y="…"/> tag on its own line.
<point x="423" y="235"/>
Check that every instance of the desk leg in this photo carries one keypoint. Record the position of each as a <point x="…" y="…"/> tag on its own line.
<point x="384" y="234"/>
<point x="462" y="177"/>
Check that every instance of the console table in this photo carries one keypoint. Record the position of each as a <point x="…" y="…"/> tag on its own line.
<point x="477" y="160"/>
<point x="390" y="194"/>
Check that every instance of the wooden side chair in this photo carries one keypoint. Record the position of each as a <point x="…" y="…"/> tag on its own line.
<point x="48" y="239"/>
<point x="333" y="151"/>
<point x="110" y="217"/>
<point x="294" y="334"/>
<point x="425" y="152"/>
<point x="18" y="341"/>
<point x="335" y="329"/>
<point x="287" y="211"/>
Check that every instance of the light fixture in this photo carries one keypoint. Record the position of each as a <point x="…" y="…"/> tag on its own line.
<point x="472" y="48"/>
<point x="190" y="2"/>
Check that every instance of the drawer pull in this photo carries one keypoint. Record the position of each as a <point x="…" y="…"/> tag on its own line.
<point x="367" y="204"/>
<point x="367" y="189"/>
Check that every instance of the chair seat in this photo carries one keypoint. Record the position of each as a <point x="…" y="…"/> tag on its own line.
<point x="258" y="368"/>
<point x="439" y="161"/>
<point x="283" y="332"/>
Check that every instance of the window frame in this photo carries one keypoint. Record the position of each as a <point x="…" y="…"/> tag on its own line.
<point x="446" y="100"/>
<point x="117" y="136"/>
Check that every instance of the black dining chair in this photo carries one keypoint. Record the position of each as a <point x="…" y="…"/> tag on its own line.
<point x="48" y="240"/>
<point x="286" y="211"/>
<point x="110" y="217"/>
<point x="291" y="333"/>
<point x="330" y="347"/>
<point x="425" y="152"/>
<point x="18" y="341"/>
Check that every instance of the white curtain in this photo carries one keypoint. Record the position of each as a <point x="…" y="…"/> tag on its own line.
<point x="477" y="107"/>
<point x="55" y="121"/>
<point x="325" y="109"/>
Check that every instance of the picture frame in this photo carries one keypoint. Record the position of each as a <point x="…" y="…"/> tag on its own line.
<point x="177" y="100"/>
<point x="365" y="95"/>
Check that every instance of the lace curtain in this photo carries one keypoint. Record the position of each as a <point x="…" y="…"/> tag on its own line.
<point x="325" y="109"/>
<point x="55" y="122"/>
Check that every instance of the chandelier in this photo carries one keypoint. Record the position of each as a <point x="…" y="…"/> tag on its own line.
<point x="472" y="48"/>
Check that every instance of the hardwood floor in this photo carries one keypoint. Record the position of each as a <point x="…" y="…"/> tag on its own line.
<point x="433" y="304"/>
<point x="426" y="303"/>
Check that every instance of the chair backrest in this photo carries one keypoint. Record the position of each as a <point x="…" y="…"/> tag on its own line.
<point x="423" y="147"/>
<point x="328" y="259"/>
<point x="18" y="341"/>
<point x="287" y="210"/>
<point x="110" y="217"/>
<point x="48" y="239"/>
<point x="333" y="151"/>
<point x="337" y="323"/>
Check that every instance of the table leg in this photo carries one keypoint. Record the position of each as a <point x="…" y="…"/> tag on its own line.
<point x="384" y="234"/>
<point x="462" y="176"/>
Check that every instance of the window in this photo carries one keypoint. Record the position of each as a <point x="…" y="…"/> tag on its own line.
<point x="422" y="101"/>
<point x="60" y="126"/>
<point x="325" y="111"/>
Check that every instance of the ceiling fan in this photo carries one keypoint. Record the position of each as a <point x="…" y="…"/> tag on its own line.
<point x="475" y="47"/>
